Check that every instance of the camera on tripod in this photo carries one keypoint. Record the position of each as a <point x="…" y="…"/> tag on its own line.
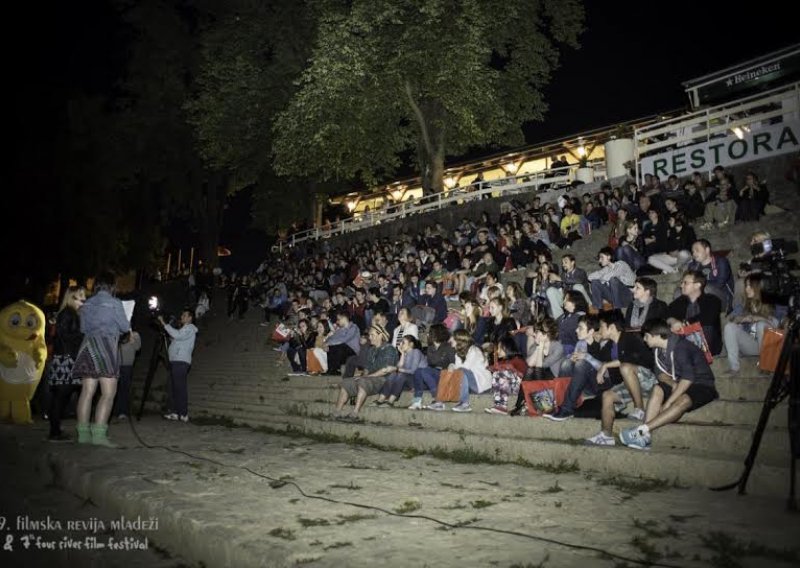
<point x="777" y="280"/>
<point x="155" y="306"/>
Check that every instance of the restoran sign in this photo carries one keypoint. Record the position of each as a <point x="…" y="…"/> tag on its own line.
<point x="761" y="143"/>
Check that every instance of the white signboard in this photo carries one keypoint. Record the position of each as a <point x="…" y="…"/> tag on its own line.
<point x="765" y="142"/>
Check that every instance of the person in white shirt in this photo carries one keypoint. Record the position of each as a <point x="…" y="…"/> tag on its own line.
<point x="613" y="282"/>
<point x="405" y="327"/>
<point x="180" y="361"/>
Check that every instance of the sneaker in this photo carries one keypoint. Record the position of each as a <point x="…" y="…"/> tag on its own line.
<point x="496" y="410"/>
<point x="122" y="417"/>
<point x="377" y="402"/>
<point x="636" y="414"/>
<point x="264" y="324"/>
<point x="437" y="406"/>
<point x="463" y="407"/>
<point x="601" y="440"/>
<point x="184" y="418"/>
<point x="635" y="439"/>
<point x="559" y="415"/>
<point x="416" y="404"/>
<point x="293" y="374"/>
<point x="171" y="416"/>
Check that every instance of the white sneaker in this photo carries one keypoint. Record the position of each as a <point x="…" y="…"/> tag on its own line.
<point x="171" y="416"/>
<point x="122" y="418"/>
<point x="636" y="414"/>
<point x="438" y="406"/>
<point x="601" y="440"/>
<point x="184" y="418"/>
<point x="416" y="405"/>
<point x="462" y="408"/>
<point x="495" y="410"/>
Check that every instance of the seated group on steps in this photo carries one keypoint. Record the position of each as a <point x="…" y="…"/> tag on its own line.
<point x="392" y="316"/>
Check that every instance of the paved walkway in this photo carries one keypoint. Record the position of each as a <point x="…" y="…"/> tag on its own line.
<point x="210" y="510"/>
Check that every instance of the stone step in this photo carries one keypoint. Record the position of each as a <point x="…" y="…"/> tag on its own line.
<point x="679" y="466"/>
<point x="719" y="412"/>
<point x="729" y="439"/>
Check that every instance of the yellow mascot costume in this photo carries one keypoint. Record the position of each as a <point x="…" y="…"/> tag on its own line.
<point x="22" y="357"/>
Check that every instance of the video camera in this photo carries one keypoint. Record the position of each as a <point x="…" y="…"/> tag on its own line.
<point x="156" y="310"/>
<point x="770" y="260"/>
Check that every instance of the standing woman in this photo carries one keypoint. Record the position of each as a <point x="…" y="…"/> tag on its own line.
<point x="103" y="321"/>
<point x="66" y="343"/>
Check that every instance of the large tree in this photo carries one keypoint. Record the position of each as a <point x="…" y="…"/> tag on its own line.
<point x="434" y="77"/>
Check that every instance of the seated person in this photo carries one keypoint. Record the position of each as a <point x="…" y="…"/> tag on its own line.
<point x="680" y="238"/>
<point x="342" y="343"/>
<point x="694" y="305"/>
<point x="612" y="282"/>
<point x="575" y="307"/>
<point x="434" y="299"/>
<point x="570" y="224"/>
<point x="572" y="278"/>
<point x="381" y="362"/>
<point x="715" y="268"/>
<point x="476" y="375"/>
<point x="631" y="247"/>
<point x="411" y="360"/>
<point x="507" y="372"/>
<point x="645" y="305"/>
<point x="744" y="330"/>
<point x="545" y="355"/>
<point x="721" y="210"/>
<point x="685" y="383"/>
<point x="440" y="355"/>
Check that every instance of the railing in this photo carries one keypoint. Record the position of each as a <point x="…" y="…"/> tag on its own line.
<point x="701" y="126"/>
<point x="530" y="182"/>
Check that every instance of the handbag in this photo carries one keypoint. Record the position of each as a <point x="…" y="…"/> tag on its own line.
<point x="771" y="347"/>
<point x="282" y="333"/>
<point x="694" y="333"/>
<point x="542" y="397"/>
<point x="316" y="360"/>
<point x="449" y="388"/>
<point x="452" y="321"/>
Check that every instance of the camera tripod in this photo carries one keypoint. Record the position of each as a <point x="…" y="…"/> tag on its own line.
<point x="783" y="384"/>
<point x="159" y="355"/>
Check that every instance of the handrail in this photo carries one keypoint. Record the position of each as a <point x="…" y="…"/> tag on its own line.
<point x="705" y="124"/>
<point x="475" y="191"/>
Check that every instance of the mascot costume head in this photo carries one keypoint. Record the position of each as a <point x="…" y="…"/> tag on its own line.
<point x="22" y="357"/>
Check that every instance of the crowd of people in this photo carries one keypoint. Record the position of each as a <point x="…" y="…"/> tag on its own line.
<point x="403" y="314"/>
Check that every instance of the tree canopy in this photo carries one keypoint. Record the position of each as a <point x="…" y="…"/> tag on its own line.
<point x="434" y="77"/>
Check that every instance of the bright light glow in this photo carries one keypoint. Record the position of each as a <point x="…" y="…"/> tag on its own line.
<point x="738" y="132"/>
<point x="450" y="182"/>
<point x="510" y="167"/>
<point x="351" y="205"/>
<point x="582" y="151"/>
<point x="152" y="303"/>
<point x="397" y="194"/>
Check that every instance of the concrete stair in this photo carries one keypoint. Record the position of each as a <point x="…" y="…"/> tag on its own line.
<point x="235" y="377"/>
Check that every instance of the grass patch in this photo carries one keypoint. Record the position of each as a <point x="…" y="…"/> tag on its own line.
<point x="306" y="560"/>
<point x="652" y="530"/>
<point x="338" y="545"/>
<point x="683" y="518"/>
<point x="296" y="409"/>
<point x="491" y="483"/>
<point x="408" y="507"/>
<point x="481" y="504"/>
<point x="554" y="488"/>
<point x="450" y="485"/>
<point x="351" y="486"/>
<point x="305" y="523"/>
<point x="541" y="564"/>
<point x="647" y="549"/>
<point x="458" y="505"/>
<point x="280" y="532"/>
<point x="562" y="466"/>
<point x="729" y="551"/>
<point x="343" y="519"/>
<point x="634" y="486"/>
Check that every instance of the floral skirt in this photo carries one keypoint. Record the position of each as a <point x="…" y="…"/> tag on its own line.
<point x="98" y="357"/>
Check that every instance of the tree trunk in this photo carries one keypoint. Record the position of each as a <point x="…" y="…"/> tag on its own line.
<point x="430" y="145"/>
<point x="216" y="188"/>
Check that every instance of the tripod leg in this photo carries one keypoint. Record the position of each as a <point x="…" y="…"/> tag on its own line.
<point x="155" y="357"/>
<point x="774" y="395"/>
<point x="794" y="424"/>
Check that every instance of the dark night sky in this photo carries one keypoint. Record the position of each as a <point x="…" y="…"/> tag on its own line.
<point x="634" y="56"/>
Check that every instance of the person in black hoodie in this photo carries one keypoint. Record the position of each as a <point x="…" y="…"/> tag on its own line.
<point x="694" y="305"/>
<point x="678" y="251"/>
<point x="645" y="305"/>
<point x="654" y="234"/>
<point x="630" y="372"/>
<point x="66" y="343"/>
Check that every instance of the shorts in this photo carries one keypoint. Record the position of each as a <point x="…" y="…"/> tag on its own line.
<point x="700" y="395"/>
<point x="647" y="380"/>
<point x="372" y="385"/>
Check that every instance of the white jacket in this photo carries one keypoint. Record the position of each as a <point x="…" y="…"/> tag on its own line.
<point x="476" y="363"/>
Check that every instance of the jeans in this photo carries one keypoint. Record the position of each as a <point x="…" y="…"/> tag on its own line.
<point x="584" y="379"/>
<point x="739" y="342"/>
<point x="395" y="383"/>
<point x="467" y="383"/>
<point x="427" y="377"/>
<point x="614" y="291"/>
<point x="179" y="371"/>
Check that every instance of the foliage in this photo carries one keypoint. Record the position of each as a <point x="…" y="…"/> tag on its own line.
<point x="431" y="76"/>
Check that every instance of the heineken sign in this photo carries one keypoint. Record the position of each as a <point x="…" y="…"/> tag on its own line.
<point x="759" y="144"/>
<point x="760" y="77"/>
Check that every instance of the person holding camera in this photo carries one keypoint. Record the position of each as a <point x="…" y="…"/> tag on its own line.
<point x="180" y="351"/>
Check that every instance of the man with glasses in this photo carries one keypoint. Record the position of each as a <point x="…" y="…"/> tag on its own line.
<point x="694" y="305"/>
<point x="716" y="269"/>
